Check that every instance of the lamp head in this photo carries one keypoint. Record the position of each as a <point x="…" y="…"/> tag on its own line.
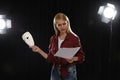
<point x="107" y="12"/>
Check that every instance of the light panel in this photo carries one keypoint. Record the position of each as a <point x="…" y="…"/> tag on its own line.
<point x="4" y="24"/>
<point x="107" y="12"/>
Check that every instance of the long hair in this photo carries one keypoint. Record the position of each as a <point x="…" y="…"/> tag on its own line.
<point x="61" y="16"/>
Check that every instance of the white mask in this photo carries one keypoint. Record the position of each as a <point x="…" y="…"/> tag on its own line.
<point x="27" y="37"/>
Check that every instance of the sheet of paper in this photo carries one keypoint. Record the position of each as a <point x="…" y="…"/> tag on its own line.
<point x="27" y="37"/>
<point x="67" y="52"/>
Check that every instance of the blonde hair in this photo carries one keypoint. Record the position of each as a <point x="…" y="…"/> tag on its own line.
<point x="61" y="16"/>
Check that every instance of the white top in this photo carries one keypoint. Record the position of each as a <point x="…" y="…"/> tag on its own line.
<point x="59" y="42"/>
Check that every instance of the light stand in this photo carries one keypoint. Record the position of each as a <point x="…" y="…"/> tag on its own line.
<point x="108" y="14"/>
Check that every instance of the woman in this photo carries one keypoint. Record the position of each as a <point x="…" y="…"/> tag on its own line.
<point x="63" y="69"/>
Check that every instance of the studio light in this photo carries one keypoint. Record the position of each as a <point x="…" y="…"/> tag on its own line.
<point x="107" y="12"/>
<point x="4" y="24"/>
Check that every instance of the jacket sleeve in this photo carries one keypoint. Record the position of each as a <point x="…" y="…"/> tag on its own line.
<point x="51" y="58"/>
<point x="80" y="54"/>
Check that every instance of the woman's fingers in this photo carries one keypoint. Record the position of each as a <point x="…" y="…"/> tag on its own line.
<point x="70" y="60"/>
<point x="35" y="48"/>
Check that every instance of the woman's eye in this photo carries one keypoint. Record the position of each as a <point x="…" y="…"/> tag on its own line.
<point x="59" y="24"/>
<point x="64" y="23"/>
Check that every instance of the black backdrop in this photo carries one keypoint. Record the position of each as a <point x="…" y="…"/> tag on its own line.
<point x="18" y="62"/>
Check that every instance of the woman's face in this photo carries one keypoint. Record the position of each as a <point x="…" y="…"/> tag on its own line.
<point x="62" y="26"/>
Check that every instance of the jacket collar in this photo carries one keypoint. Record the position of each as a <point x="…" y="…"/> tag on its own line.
<point x="67" y="37"/>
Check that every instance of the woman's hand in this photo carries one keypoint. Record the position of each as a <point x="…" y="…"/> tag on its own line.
<point x="72" y="59"/>
<point x="35" y="48"/>
<point x="39" y="50"/>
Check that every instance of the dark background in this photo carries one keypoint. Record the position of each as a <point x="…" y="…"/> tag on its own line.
<point x="18" y="62"/>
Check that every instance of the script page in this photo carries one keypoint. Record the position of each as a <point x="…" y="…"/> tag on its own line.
<point x="67" y="52"/>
